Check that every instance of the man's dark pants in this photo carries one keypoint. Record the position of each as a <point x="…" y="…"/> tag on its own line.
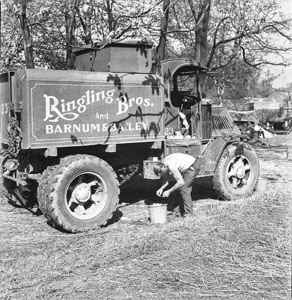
<point x="186" y="190"/>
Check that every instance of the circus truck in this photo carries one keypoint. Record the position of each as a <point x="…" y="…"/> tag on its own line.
<point x="70" y="139"/>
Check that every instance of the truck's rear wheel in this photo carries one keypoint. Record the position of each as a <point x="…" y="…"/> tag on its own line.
<point x="81" y="194"/>
<point x="237" y="172"/>
<point x="43" y="190"/>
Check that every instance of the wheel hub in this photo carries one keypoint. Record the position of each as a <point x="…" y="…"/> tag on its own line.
<point x="86" y="195"/>
<point x="82" y="192"/>
<point x="240" y="172"/>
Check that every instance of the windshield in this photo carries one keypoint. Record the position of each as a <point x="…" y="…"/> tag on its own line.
<point x="185" y="89"/>
<point x="187" y="84"/>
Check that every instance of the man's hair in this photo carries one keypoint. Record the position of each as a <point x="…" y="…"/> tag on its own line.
<point x="159" y="169"/>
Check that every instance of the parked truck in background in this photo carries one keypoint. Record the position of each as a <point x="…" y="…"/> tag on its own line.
<point x="71" y="139"/>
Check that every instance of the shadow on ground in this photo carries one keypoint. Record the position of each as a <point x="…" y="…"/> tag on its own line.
<point x="146" y="189"/>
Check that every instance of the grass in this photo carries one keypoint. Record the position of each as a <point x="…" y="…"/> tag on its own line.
<point x="229" y="250"/>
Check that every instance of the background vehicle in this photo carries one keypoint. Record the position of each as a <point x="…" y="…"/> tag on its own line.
<point x="71" y="139"/>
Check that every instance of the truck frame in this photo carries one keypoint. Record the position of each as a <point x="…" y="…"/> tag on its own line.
<point x="71" y="139"/>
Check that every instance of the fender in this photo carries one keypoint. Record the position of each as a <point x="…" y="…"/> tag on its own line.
<point x="215" y="147"/>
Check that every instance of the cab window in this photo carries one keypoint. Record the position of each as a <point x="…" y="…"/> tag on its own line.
<point x="184" y="91"/>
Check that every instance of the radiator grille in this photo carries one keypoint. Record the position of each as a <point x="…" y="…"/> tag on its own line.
<point x="221" y="122"/>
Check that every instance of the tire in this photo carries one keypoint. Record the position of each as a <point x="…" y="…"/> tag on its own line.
<point x="237" y="172"/>
<point x="2" y="183"/>
<point x="43" y="190"/>
<point x="79" y="194"/>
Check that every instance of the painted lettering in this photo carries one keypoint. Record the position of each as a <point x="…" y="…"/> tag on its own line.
<point x="92" y="128"/>
<point x="70" y="110"/>
<point x="124" y="104"/>
<point x="101" y="116"/>
<point x="53" y="110"/>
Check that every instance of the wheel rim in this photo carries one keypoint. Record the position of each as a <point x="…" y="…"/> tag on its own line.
<point x="86" y="195"/>
<point x="238" y="171"/>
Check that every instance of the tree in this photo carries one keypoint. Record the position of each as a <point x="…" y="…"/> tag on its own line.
<point x="11" y="43"/>
<point x="47" y="39"/>
<point x="70" y="9"/>
<point x="201" y="18"/>
<point x="233" y="32"/>
<point x="20" y="11"/>
<point x="244" y="28"/>
<point x="237" y="80"/>
<point x="85" y="13"/>
<point x="264" y="87"/>
<point x="224" y="35"/>
<point x="160" y="49"/>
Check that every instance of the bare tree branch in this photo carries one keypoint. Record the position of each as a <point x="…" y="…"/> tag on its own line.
<point x="263" y="62"/>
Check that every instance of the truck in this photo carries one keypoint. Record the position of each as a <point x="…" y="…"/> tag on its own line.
<point x="70" y="139"/>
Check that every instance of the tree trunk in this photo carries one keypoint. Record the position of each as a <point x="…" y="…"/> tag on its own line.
<point x="27" y="40"/>
<point x="70" y="28"/>
<point x="201" y="42"/>
<point x="86" y="21"/>
<point x="160" y="49"/>
<point x="110" y="15"/>
<point x="201" y="33"/>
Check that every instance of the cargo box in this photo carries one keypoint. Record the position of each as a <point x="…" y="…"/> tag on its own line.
<point x="115" y="57"/>
<point x="88" y="108"/>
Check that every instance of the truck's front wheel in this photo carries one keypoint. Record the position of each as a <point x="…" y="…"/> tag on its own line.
<point x="237" y="172"/>
<point x="81" y="194"/>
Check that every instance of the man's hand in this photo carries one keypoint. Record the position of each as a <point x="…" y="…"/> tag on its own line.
<point x="159" y="192"/>
<point x="166" y="194"/>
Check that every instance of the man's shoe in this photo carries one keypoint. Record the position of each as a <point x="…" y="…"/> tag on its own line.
<point x="187" y="216"/>
<point x="173" y="214"/>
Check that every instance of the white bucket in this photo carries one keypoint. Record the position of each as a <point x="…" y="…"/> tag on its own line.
<point x="158" y="213"/>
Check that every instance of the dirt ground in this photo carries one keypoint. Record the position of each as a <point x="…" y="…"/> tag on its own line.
<point x="276" y="169"/>
<point x="23" y="232"/>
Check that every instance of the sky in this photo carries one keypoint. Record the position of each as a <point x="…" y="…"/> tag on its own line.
<point x="286" y="5"/>
<point x="286" y="73"/>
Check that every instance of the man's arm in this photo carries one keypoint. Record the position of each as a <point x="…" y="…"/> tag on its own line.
<point x="179" y="182"/>
<point x="165" y="183"/>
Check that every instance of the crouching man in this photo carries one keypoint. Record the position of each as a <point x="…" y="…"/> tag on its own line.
<point x="182" y="168"/>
